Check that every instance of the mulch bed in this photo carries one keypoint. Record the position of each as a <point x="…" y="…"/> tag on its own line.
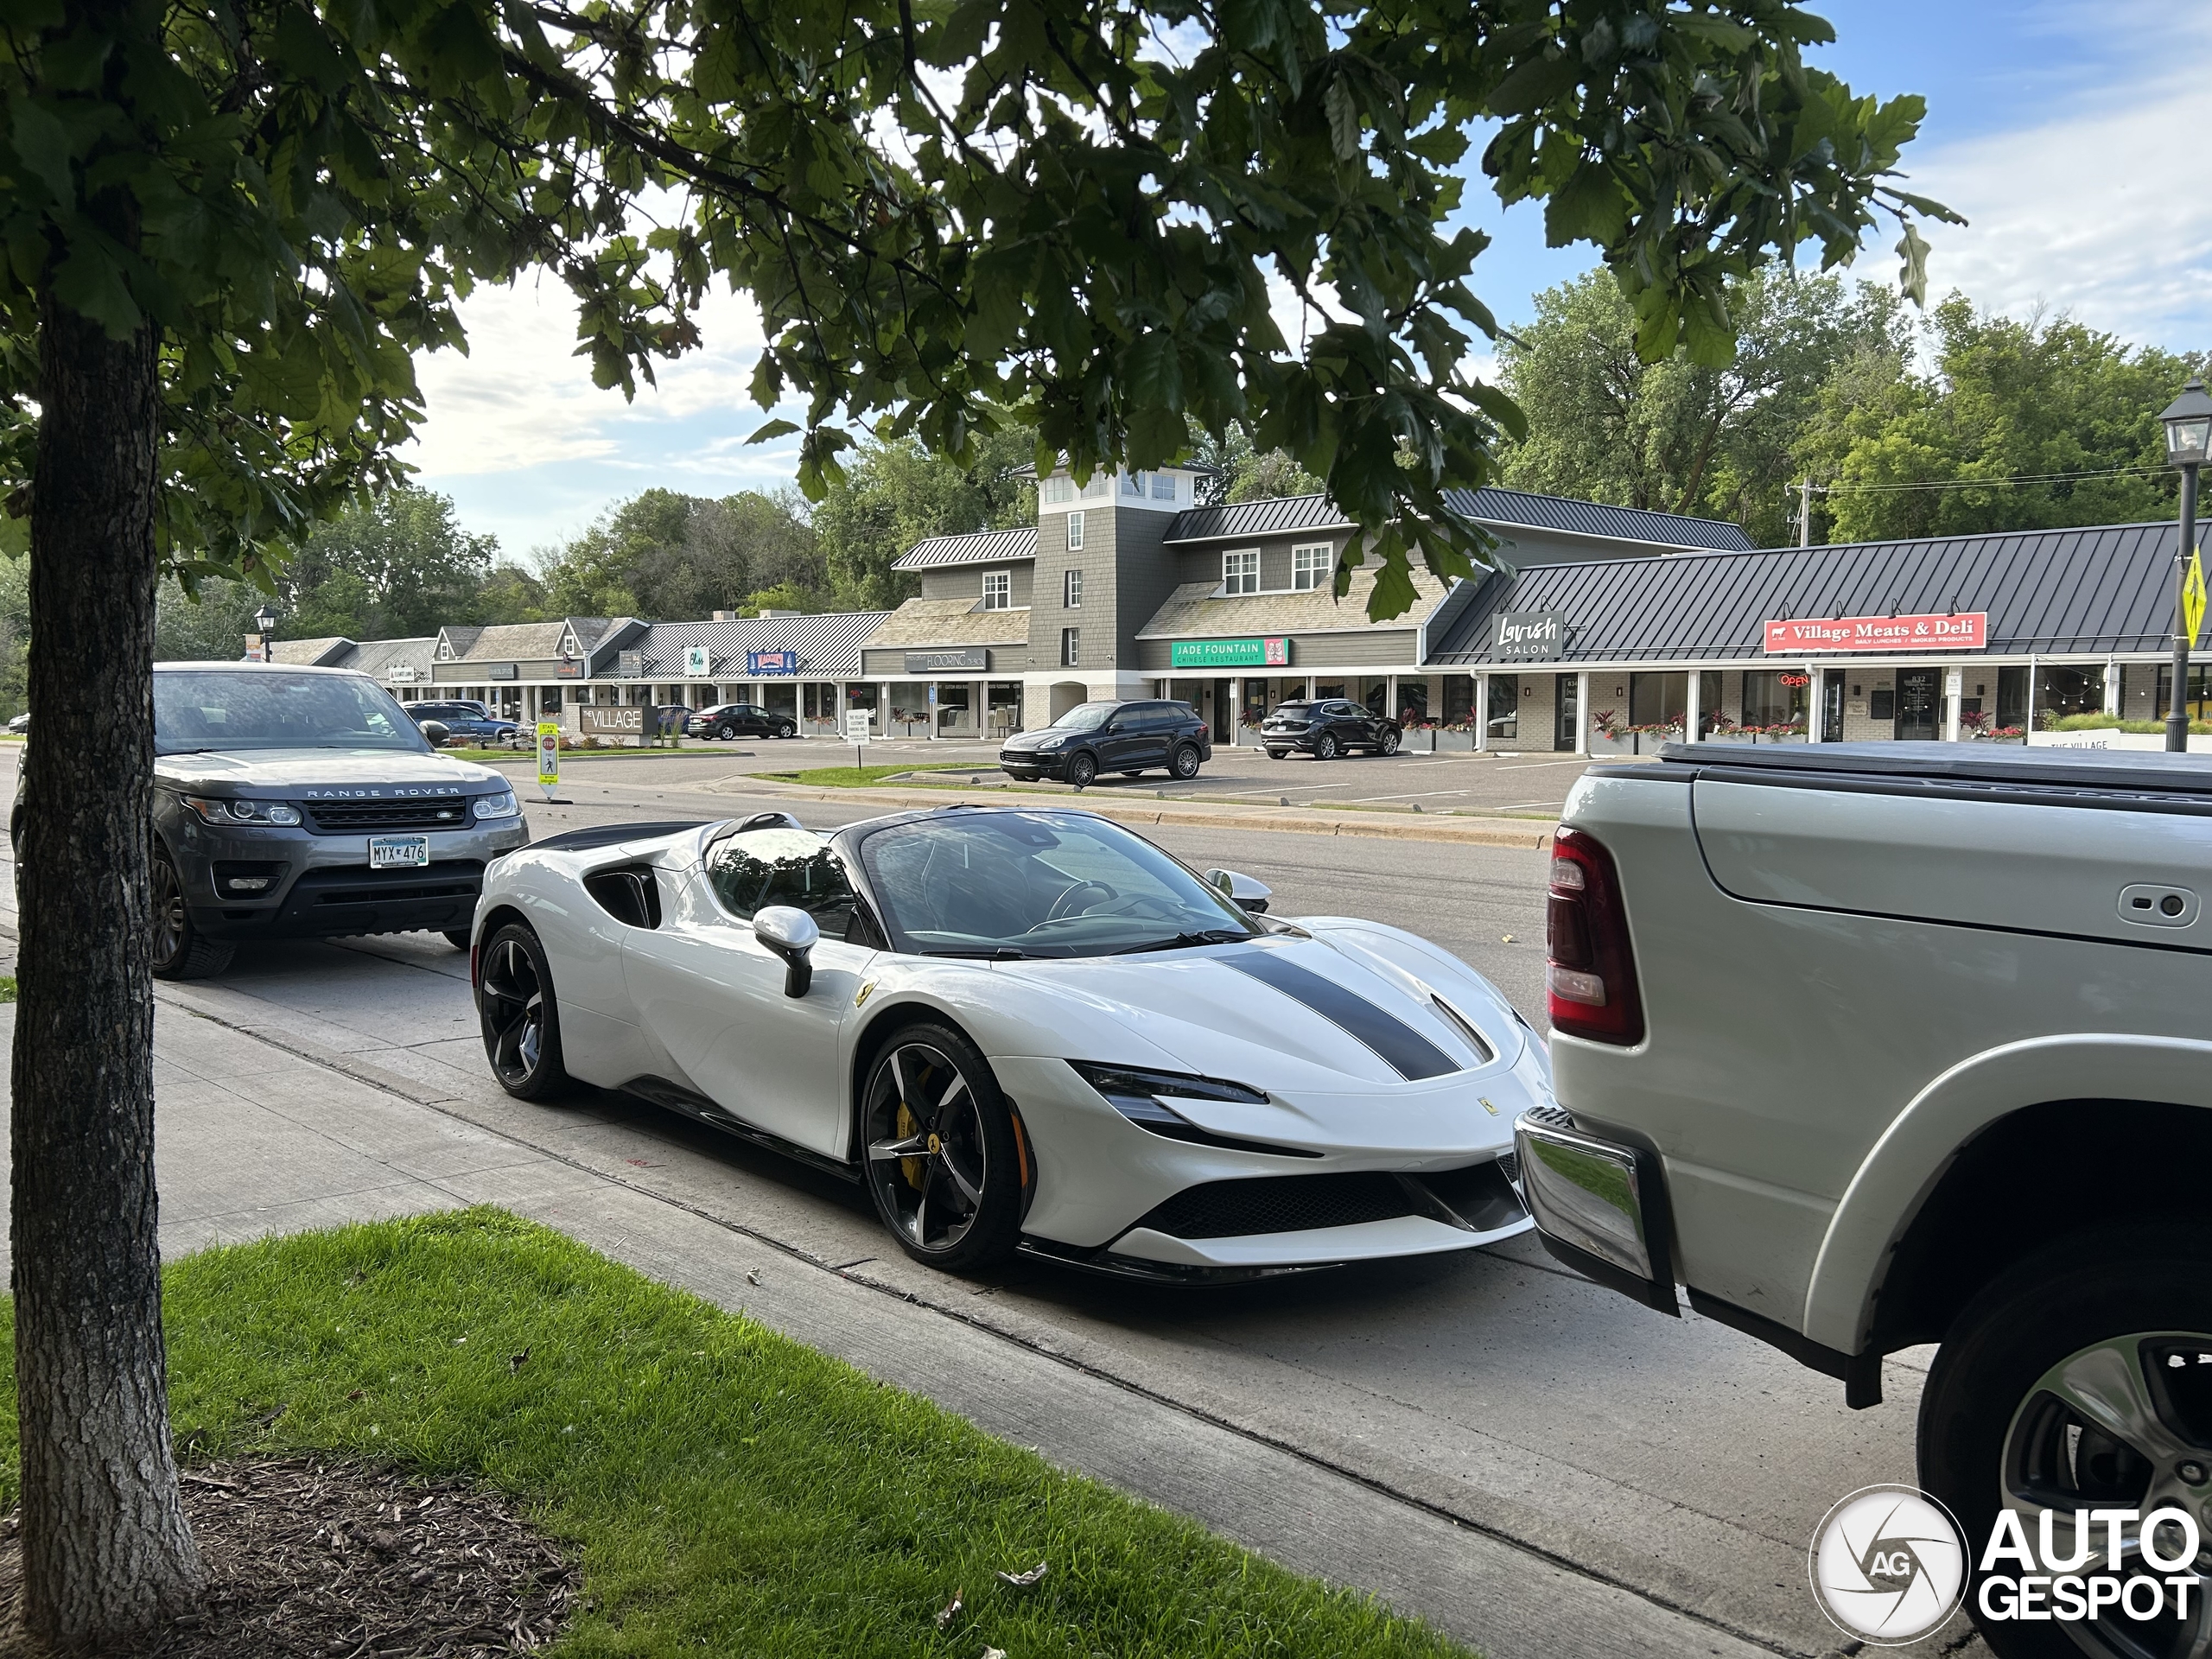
<point x="336" y="1559"/>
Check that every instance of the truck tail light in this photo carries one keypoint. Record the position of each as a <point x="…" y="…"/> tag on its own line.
<point x="1589" y="973"/>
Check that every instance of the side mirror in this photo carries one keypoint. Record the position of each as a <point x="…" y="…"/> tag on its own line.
<point x="792" y="934"/>
<point x="1244" y="891"/>
<point x="436" y="732"/>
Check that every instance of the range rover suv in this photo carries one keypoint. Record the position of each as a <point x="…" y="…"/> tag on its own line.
<point x="302" y="802"/>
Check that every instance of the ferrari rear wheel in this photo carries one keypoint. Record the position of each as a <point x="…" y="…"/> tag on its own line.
<point x="945" y="1166"/>
<point x="521" y="1021"/>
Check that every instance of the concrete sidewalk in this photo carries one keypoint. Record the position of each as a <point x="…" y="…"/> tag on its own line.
<point x="270" y="1132"/>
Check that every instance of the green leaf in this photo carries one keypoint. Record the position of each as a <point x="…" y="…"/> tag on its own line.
<point x="776" y="428"/>
<point x="1154" y="373"/>
<point x="1344" y="118"/>
<point x="43" y="143"/>
<point x="1529" y="86"/>
<point x="1590" y="207"/>
<point x="1912" y="279"/>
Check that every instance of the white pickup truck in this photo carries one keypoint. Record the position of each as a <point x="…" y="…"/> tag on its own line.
<point x="1870" y="1045"/>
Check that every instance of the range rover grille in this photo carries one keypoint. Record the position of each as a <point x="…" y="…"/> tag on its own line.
<point x="352" y="818"/>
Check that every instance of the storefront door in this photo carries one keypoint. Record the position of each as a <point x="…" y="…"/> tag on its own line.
<point x="1831" y="705"/>
<point x="1919" y="702"/>
<point x="1566" y="714"/>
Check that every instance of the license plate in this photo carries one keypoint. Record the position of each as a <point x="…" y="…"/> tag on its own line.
<point x="398" y="852"/>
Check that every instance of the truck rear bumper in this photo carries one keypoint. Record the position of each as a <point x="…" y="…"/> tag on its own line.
<point x="1600" y="1206"/>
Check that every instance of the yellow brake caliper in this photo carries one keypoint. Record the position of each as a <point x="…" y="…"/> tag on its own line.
<point x="909" y="1167"/>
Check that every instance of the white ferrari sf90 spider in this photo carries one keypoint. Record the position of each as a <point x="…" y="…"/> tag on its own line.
<point x="1021" y="1028"/>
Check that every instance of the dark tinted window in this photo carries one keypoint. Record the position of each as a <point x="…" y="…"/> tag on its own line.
<point x="782" y="866"/>
<point x="1162" y="716"/>
<point x="265" y="709"/>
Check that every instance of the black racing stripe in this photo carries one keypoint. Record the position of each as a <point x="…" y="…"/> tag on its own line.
<point x="1411" y="1055"/>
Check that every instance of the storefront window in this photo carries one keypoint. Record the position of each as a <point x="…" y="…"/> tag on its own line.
<point x="1658" y="699"/>
<point x="1413" y="703"/>
<point x="2200" y="693"/>
<point x="1776" y="696"/>
<point x="1504" y="706"/>
<point x="1458" y="699"/>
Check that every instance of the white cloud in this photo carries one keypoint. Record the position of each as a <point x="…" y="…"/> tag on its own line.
<point x="521" y="398"/>
<point x="2098" y="210"/>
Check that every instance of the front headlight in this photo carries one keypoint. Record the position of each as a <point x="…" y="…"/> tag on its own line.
<point x="214" y="812"/>
<point x="1050" y="744"/>
<point x="1136" y="1095"/>
<point x="501" y="805"/>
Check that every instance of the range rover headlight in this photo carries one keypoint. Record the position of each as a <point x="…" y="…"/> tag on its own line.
<point x="501" y="805"/>
<point x="211" y="810"/>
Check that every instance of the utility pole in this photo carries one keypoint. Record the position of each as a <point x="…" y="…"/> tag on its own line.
<point x="1805" y="513"/>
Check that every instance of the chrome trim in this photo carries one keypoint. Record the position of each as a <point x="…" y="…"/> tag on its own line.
<point x="1585" y="1192"/>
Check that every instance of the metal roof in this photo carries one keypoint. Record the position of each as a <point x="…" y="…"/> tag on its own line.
<point x="828" y="644"/>
<point x="980" y="547"/>
<point x="1496" y="506"/>
<point x="2048" y="592"/>
<point x="1291" y="514"/>
<point x="1275" y="516"/>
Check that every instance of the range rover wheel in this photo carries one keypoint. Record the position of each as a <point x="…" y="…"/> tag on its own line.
<point x="2081" y="1380"/>
<point x="521" y="1019"/>
<point x="1082" y="770"/>
<point x="944" y="1165"/>
<point x="1184" y="763"/>
<point x="180" y="950"/>
<point x="1325" y="749"/>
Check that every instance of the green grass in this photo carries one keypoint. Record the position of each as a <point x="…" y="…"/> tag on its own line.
<point x="862" y="777"/>
<point x="730" y="1490"/>
<point x="7" y="987"/>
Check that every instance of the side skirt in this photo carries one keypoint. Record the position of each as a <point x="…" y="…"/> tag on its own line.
<point x="692" y="1104"/>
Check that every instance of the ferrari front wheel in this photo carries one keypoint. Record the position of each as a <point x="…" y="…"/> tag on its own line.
<point x="521" y="1022"/>
<point x="944" y="1161"/>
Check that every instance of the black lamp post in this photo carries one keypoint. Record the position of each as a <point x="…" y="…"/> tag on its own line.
<point x="2188" y="435"/>
<point x="265" y="618"/>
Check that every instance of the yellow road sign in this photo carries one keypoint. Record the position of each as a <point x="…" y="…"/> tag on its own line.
<point x="2192" y="597"/>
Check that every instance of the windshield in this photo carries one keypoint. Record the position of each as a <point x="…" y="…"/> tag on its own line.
<point x="1085" y="717"/>
<point x="262" y="708"/>
<point x="1039" y="884"/>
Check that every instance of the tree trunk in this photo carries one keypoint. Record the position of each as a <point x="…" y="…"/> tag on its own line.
<point x="106" y="1550"/>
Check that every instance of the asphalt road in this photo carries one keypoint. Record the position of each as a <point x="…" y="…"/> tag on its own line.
<point x="1673" y="1458"/>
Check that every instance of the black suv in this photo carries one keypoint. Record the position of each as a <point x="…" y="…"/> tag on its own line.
<point x="1125" y="737"/>
<point x="1325" y="728"/>
<point x="739" y="720"/>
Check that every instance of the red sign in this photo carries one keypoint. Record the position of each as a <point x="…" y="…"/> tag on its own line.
<point x="1960" y="631"/>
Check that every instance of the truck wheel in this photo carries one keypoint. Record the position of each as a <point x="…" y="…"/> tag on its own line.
<point x="2082" y="1379"/>
<point x="179" y="952"/>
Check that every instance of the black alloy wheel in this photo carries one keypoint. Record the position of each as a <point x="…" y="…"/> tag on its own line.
<point x="2082" y="1379"/>
<point x="1183" y="763"/>
<point x="1082" y="770"/>
<point x="520" y="1018"/>
<point x="1389" y="743"/>
<point x="943" y="1160"/>
<point x="1324" y="748"/>
<point x="179" y="949"/>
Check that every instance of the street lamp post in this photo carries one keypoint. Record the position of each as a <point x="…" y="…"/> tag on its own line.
<point x="266" y="620"/>
<point x="2188" y="422"/>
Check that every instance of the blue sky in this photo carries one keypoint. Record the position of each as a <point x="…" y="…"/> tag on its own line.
<point x="2071" y="135"/>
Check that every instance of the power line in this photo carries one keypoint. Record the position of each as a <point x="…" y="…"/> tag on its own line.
<point x="1986" y="483"/>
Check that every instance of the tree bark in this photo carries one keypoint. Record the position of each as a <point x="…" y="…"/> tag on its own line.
<point x="106" y="1550"/>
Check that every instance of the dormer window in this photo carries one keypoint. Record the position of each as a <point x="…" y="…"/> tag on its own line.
<point x="1309" y="566"/>
<point x="998" y="590"/>
<point x="1163" y="487"/>
<point x="1052" y="491"/>
<point x="1240" y="573"/>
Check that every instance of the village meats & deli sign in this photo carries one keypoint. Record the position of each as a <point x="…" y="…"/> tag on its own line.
<point x="1959" y="630"/>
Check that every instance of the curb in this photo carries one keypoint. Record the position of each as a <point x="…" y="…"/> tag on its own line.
<point x="1372" y="826"/>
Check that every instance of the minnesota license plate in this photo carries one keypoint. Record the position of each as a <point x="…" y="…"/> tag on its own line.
<point x="398" y="852"/>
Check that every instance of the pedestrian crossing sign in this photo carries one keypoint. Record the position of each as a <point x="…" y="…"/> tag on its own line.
<point x="2192" y="597"/>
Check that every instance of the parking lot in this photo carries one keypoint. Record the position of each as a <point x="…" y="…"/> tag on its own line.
<point x="1669" y="1473"/>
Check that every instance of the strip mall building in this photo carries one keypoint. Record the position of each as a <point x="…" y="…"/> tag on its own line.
<point x="1616" y="626"/>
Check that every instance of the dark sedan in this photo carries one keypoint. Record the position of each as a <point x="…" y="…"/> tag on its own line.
<point x="465" y="718"/>
<point x="739" y="720"/>
<point x="1130" y="738"/>
<point x="1325" y="728"/>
